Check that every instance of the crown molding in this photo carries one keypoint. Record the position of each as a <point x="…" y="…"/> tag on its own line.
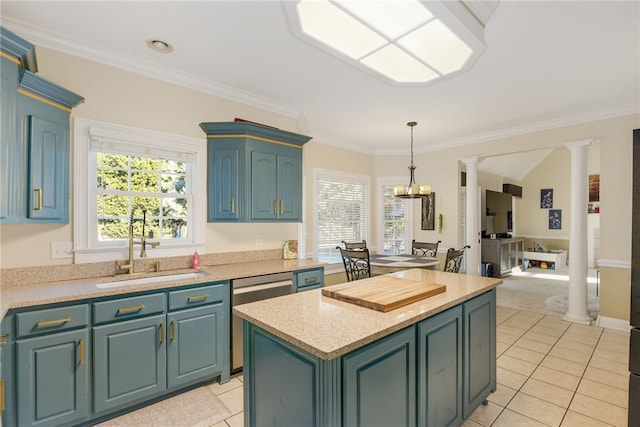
<point x="136" y="65"/>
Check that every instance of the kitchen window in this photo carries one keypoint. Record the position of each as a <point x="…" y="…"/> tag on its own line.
<point x="394" y="219"/>
<point x="341" y="211"/>
<point x="122" y="171"/>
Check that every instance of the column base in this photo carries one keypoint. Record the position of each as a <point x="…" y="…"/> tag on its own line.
<point x="581" y="319"/>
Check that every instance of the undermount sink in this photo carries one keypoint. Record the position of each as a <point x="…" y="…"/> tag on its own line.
<point x="153" y="279"/>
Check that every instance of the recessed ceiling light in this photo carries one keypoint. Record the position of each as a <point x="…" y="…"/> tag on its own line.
<point x="159" y="46"/>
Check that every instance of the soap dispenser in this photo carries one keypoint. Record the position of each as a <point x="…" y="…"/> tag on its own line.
<point x="195" y="260"/>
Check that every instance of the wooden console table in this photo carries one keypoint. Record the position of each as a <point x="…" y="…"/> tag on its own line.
<point x="503" y="254"/>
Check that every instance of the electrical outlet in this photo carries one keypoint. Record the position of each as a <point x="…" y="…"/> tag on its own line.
<point x="258" y="240"/>
<point x="60" y="250"/>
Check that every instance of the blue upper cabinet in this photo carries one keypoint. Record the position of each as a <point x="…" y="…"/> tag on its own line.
<point x="254" y="173"/>
<point x="35" y="139"/>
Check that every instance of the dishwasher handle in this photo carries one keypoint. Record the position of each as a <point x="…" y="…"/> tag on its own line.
<point x="255" y="288"/>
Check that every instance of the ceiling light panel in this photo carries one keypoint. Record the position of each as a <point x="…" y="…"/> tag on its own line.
<point x="438" y="46"/>
<point x="396" y="64"/>
<point x="331" y="25"/>
<point x="391" y="18"/>
<point x="401" y="41"/>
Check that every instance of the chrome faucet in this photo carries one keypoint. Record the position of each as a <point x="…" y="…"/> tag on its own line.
<point x="129" y="265"/>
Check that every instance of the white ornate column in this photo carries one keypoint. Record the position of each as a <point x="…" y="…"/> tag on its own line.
<point x="577" y="310"/>
<point x="472" y="236"/>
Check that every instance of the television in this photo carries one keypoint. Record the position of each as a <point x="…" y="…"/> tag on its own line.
<point x="499" y="213"/>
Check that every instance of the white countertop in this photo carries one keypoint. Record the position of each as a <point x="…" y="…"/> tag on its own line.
<point x="328" y="328"/>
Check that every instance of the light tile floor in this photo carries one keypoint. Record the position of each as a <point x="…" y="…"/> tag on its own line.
<point x="550" y="373"/>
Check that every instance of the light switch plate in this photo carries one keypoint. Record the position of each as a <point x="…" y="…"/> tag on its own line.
<point x="61" y="250"/>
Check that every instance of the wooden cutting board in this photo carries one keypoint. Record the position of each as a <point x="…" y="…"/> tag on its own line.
<point x="383" y="293"/>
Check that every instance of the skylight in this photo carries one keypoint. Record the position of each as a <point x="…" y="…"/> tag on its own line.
<point x="405" y="41"/>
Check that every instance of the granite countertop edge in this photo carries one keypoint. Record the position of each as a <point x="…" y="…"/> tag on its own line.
<point x="37" y="294"/>
<point x="335" y="345"/>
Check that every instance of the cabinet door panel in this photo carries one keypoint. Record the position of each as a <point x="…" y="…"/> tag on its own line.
<point x="289" y="188"/>
<point x="440" y="369"/>
<point x="479" y="317"/>
<point x="53" y="379"/>
<point x="129" y="362"/>
<point x="223" y="189"/>
<point x="283" y="382"/>
<point x="263" y="186"/>
<point x="379" y="386"/>
<point x="196" y="339"/>
<point x="48" y="167"/>
<point x="9" y="159"/>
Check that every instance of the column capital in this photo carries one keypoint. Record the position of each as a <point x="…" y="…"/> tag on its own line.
<point x="472" y="161"/>
<point x="582" y="144"/>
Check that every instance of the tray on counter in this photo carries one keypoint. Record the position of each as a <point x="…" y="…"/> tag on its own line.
<point x="383" y="293"/>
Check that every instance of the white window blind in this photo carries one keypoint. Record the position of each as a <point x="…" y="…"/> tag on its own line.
<point x="395" y="222"/>
<point x="341" y="212"/>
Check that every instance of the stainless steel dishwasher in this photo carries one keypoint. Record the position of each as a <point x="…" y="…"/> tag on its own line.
<point x="253" y="289"/>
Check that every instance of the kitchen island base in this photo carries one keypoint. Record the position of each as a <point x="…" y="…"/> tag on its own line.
<point x="435" y="372"/>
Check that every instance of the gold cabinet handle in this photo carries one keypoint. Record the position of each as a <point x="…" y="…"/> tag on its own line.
<point x="130" y="309"/>
<point x="3" y="337"/>
<point x="53" y="322"/>
<point x="197" y="297"/>
<point x="310" y="279"/>
<point x="81" y="349"/>
<point x="281" y="206"/>
<point x="161" y="333"/>
<point x="2" y="406"/>
<point x="173" y="331"/>
<point x="275" y="207"/>
<point x="233" y="205"/>
<point x="38" y="198"/>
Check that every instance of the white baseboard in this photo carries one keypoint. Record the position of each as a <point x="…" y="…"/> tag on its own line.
<point x="613" y="323"/>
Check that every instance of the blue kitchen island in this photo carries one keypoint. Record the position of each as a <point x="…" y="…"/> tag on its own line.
<point x="311" y="360"/>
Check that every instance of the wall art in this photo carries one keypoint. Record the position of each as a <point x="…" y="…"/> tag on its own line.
<point x="555" y="219"/>
<point x="546" y="198"/>
<point x="429" y="212"/>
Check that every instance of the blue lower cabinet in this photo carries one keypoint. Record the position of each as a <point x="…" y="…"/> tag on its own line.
<point x="378" y="382"/>
<point x="479" y="343"/>
<point x="54" y="381"/>
<point x="440" y="369"/>
<point x="129" y="362"/>
<point x="284" y="384"/>
<point x="304" y="280"/>
<point x="434" y="373"/>
<point x="195" y="344"/>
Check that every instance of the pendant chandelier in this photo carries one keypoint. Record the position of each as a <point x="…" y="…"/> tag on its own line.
<point x="413" y="190"/>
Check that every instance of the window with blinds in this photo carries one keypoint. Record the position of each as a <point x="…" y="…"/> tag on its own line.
<point x="341" y="212"/>
<point x="395" y="229"/>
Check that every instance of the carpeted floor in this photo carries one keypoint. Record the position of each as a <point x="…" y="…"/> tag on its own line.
<point x="543" y="291"/>
<point x="199" y="407"/>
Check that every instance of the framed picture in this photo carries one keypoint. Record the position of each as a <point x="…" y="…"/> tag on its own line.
<point x="555" y="219"/>
<point x="429" y="212"/>
<point x="546" y="198"/>
<point x="594" y="188"/>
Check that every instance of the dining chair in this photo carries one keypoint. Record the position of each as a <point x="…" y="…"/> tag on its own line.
<point x="356" y="263"/>
<point x="454" y="259"/>
<point x="424" y="248"/>
<point x="355" y="245"/>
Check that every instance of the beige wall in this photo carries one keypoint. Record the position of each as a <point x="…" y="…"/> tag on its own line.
<point x="117" y="96"/>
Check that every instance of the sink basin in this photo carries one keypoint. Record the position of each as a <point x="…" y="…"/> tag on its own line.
<point x="153" y="279"/>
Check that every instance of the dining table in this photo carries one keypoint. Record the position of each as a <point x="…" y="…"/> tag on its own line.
<point x="390" y="263"/>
